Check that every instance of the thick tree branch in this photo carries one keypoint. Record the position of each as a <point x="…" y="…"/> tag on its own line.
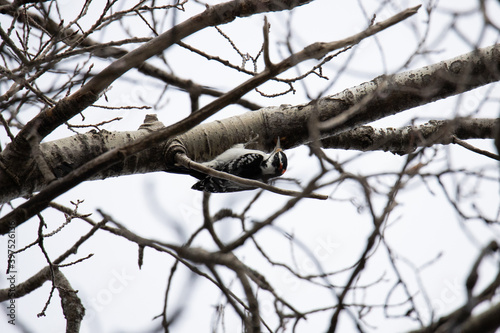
<point x="67" y="154"/>
<point x="26" y="287"/>
<point x="64" y="155"/>
<point x="487" y="321"/>
<point x="405" y="140"/>
<point x="283" y="121"/>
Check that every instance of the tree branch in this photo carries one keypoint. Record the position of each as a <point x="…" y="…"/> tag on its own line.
<point x="475" y="149"/>
<point x="71" y="304"/>
<point x="190" y="164"/>
<point x="405" y="140"/>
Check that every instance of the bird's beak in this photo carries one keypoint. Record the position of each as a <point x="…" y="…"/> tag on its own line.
<point x="278" y="146"/>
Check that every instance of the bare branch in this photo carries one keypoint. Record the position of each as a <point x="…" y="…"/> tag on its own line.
<point x="71" y="304"/>
<point x="265" y="46"/>
<point x="405" y="140"/>
<point x="475" y="149"/>
<point x="190" y="164"/>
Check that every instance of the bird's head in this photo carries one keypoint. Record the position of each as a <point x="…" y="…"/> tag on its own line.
<point x="275" y="165"/>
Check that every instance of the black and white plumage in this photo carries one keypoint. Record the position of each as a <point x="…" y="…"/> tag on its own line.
<point x="245" y="163"/>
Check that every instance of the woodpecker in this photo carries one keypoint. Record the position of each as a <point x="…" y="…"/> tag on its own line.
<point x="245" y="163"/>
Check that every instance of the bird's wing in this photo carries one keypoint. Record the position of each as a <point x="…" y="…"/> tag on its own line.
<point x="245" y="166"/>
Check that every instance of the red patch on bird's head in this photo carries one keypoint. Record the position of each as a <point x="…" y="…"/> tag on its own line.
<point x="282" y="169"/>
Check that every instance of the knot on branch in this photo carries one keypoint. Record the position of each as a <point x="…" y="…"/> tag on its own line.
<point x="151" y="123"/>
<point x="171" y="150"/>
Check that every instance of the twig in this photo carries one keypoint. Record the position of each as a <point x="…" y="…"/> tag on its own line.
<point x="190" y="164"/>
<point x="475" y="149"/>
<point x="267" y="59"/>
<point x="471" y="281"/>
<point x="51" y="266"/>
<point x="96" y="126"/>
